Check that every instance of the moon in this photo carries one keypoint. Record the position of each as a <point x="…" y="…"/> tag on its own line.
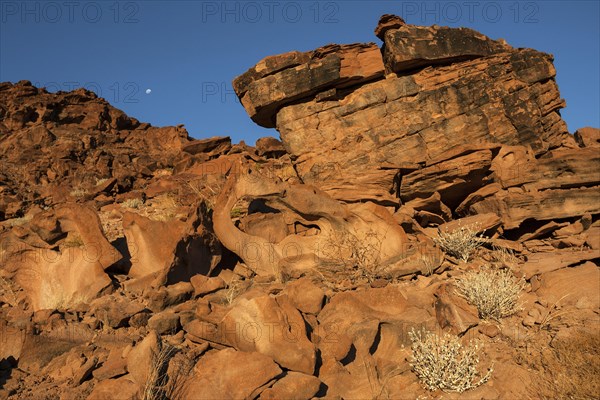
<point x="148" y="91"/>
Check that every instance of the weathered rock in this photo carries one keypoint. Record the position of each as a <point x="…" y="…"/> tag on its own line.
<point x="213" y="378"/>
<point x="305" y="296"/>
<point x="280" y="80"/>
<point x="572" y="285"/>
<point x="539" y="263"/>
<point x="122" y="388"/>
<point x="115" y="312"/>
<point x="70" y="141"/>
<point x="380" y="126"/>
<point x="272" y="327"/>
<point x="453" y="312"/>
<point x="140" y="359"/>
<point x="166" y="322"/>
<point x="588" y="137"/>
<point x="387" y="22"/>
<point x="204" y="285"/>
<point x="556" y="169"/>
<point x="170" y="251"/>
<point x="338" y="228"/>
<point x="453" y="179"/>
<point x="514" y="207"/>
<point x="294" y="385"/>
<point x="409" y="47"/>
<point x="212" y="146"/>
<point x="269" y="147"/>
<point x="74" y="274"/>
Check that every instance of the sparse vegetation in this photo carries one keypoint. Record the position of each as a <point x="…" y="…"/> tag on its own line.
<point x="79" y="192"/>
<point x="461" y="242"/>
<point x="234" y="288"/>
<point x="100" y="181"/>
<point x="442" y="362"/>
<point x="133" y="203"/>
<point x="73" y="241"/>
<point x="8" y="293"/>
<point x="353" y="257"/>
<point x="495" y="293"/>
<point x="503" y="255"/>
<point x="18" y="221"/>
<point x="236" y="212"/>
<point x="156" y="382"/>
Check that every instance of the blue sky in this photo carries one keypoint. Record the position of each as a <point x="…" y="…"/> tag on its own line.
<point x="188" y="52"/>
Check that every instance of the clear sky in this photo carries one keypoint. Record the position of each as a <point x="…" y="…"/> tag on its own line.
<point x="188" y="52"/>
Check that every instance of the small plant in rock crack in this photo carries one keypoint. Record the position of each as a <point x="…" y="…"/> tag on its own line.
<point x="495" y="292"/>
<point x="443" y="362"/>
<point x="460" y="242"/>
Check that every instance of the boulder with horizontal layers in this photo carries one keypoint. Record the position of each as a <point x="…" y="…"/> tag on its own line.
<point x="279" y="80"/>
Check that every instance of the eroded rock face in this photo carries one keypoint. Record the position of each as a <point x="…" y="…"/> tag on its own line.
<point x="171" y="251"/>
<point x="280" y="80"/>
<point x="73" y="274"/>
<point x="321" y="228"/>
<point x="73" y="140"/>
<point x="461" y="125"/>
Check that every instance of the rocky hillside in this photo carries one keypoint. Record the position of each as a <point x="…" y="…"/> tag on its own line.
<point x="426" y="227"/>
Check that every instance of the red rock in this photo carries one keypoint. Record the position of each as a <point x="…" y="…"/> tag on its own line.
<point x="204" y="285"/>
<point x="302" y="75"/>
<point x="294" y="385"/>
<point x="409" y="47"/>
<point x="115" y="389"/>
<point x="272" y="327"/>
<point x="269" y="147"/>
<point x="140" y="359"/>
<point x="166" y="322"/>
<point x="170" y="251"/>
<point x="214" y="378"/>
<point x="387" y="22"/>
<point x="588" y="137"/>
<point x="305" y="296"/>
<point x="213" y="146"/>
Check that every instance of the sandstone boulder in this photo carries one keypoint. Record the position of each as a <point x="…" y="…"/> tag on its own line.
<point x="170" y="251"/>
<point x="213" y="376"/>
<point x="280" y="80"/>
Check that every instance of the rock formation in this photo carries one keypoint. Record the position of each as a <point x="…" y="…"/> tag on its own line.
<point x="135" y="260"/>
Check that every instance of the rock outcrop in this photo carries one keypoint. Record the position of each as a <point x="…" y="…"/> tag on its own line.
<point x="136" y="262"/>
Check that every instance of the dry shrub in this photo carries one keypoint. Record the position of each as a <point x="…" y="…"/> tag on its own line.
<point x="353" y="258"/>
<point x="495" y="293"/>
<point x="156" y="382"/>
<point x="133" y="203"/>
<point x="443" y="362"/>
<point x="461" y="242"/>
<point x="570" y="368"/>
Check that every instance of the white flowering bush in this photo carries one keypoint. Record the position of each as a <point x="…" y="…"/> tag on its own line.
<point x="495" y="292"/>
<point x="460" y="242"/>
<point x="442" y="362"/>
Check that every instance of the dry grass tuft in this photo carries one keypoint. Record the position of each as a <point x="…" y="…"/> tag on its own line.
<point x="442" y="362"/>
<point x="461" y="242"/>
<point x="495" y="293"/>
<point x="8" y="293"/>
<point x="133" y="203"/>
<point x="156" y="383"/>
<point x="353" y="258"/>
<point x="570" y="368"/>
